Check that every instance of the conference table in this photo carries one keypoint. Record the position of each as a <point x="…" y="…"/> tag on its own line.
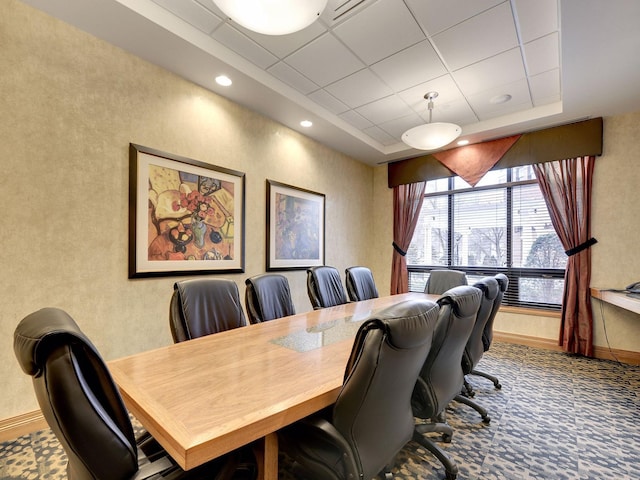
<point x="208" y="396"/>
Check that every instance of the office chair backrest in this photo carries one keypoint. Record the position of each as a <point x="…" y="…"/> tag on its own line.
<point x="267" y="296"/>
<point x="204" y="306"/>
<point x="440" y="281"/>
<point x="360" y="284"/>
<point x="325" y="287"/>
<point x="77" y="396"/>
<point x="487" y="336"/>
<point x="373" y="410"/>
<point x="441" y="377"/>
<point x="475" y="348"/>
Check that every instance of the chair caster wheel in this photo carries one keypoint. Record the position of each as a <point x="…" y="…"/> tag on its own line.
<point x="498" y="386"/>
<point x="486" y="420"/>
<point x="450" y="476"/>
<point x="446" y="438"/>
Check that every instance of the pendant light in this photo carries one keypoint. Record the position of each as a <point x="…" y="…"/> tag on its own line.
<point x="272" y="17"/>
<point x="431" y="136"/>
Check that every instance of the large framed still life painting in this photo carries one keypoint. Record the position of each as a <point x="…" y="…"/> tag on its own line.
<point x="185" y="216"/>
<point x="295" y="227"/>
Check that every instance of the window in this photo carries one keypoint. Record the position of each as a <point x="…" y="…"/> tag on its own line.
<point x="502" y="225"/>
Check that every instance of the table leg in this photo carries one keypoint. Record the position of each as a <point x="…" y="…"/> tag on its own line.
<point x="266" y="452"/>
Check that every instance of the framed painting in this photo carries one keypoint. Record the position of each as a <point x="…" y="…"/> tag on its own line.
<point x="295" y="227"/>
<point x="185" y="216"/>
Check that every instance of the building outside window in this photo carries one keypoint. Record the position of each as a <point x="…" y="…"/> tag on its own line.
<point x="502" y="225"/>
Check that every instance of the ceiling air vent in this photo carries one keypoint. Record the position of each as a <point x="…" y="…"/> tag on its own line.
<point x="343" y="9"/>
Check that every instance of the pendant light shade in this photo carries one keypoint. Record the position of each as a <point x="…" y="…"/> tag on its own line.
<point x="272" y="17"/>
<point x="431" y="136"/>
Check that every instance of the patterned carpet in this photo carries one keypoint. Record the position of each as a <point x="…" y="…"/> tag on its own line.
<point x="557" y="416"/>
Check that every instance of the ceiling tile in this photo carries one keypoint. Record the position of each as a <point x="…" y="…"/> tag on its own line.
<point x="192" y="13"/>
<point x="447" y="90"/>
<point x="291" y="77"/>
<point x="536" y="19"/>
<point x="380" y="135"/>
<point x="542" y="54"/>
<point x="545" y="88"/>
<point x="355" y="119"/>
<point x="283" y="45"/>
<point x="324" y="60"/>
<point x="328" y="101"/>
<point x="499" y="70"/>
<point x="360" y="88"/>
<point x="410" y="67"/>
<point x="520" y="98"/>
<point x="398" y="126"/>
<point x="382" y="29"/>
<point x="480" y="37"/>
<point x="457" y="111"/>
<point x="438" y="15"/>
<point x="244" y="46"/>
<point x="384" y="109"/>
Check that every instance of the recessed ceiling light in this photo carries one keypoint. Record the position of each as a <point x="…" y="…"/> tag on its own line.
<point x="306" y="123"/>
<point x="223" y="80"/>
<point x="500" y="99"/>
<point x="463" y="142"/>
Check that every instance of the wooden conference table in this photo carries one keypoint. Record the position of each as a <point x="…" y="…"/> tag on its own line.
<point x="208" y="396"/>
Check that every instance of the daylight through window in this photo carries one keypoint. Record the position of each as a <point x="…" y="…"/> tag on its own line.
<point x="502" y="225"/>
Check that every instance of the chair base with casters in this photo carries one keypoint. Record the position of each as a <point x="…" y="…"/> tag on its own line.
<point x="481" y="410"/>
<point x="496" y="382"/>
<point x="450" y="467"/>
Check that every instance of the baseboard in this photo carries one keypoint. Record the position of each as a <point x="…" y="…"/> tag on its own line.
<point x="14" y="427"/>
<point x="602" y="353"/>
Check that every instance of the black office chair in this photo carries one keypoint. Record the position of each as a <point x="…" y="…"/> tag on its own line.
<point x="440" y="281"/>
<point x="267" y="296"/>
<point x="204" y="306"/>
<point x="371" y="420"/>
<point x="360" y="284"/>
<point x="83" y="408"/>
<point x="474" y="349"/>
<point x="324" y="287"/>
<point x="487" y="335"/>
<point x="441" y="377"/>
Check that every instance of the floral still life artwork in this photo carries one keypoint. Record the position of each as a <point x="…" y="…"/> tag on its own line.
<point x="192" y="217"/>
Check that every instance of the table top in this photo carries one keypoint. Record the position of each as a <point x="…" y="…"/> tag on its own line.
<point x="620" y="299"/>
<point x="208" y="396"/>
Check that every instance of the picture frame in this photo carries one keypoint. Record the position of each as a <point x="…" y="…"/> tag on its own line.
<point x="185" y="216"/>
<point x="295" y="227"/>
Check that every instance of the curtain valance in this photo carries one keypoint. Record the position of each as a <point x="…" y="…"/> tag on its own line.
<point x="547" y="145"/>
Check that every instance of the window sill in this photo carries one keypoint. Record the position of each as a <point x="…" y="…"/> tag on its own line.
<point x="530" y="311"/>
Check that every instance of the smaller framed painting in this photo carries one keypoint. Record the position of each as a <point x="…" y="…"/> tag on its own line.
<point x="295" y="227"/>
<point x="185" y="216"/>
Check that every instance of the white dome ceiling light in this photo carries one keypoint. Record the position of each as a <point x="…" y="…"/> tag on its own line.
<point x="272" y="17"/>
<point x="431" y="136"/>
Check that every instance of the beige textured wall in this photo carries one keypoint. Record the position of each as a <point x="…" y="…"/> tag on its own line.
<point x="616" y="226"/>
<point x="70" y="105"/>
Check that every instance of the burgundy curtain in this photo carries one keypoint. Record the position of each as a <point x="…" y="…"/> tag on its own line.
<point x="407" y="202"/>
<point x="566" y="187"/>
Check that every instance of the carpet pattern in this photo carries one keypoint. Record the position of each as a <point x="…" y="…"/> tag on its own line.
<point x="557" y="416"/>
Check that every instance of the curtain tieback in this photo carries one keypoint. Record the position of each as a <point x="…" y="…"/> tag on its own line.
<point x="581" y="247"/>
<point x="398" y="249"/>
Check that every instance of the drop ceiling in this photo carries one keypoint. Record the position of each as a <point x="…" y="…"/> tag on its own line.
<point x="361" y="71"/>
